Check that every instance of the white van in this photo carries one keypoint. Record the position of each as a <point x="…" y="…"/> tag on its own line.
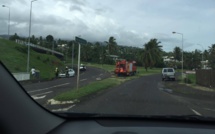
<point x="168" y="74"/>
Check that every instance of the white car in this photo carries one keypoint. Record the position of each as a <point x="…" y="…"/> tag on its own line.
<point x="71" y="73"/>
<point x="83" y="67"/>
<point x="168" y="73"/>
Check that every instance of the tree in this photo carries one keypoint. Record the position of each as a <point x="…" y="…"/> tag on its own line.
<point x="33" y="39"/>
<point x="212" y="56"/>
<point x="14" y="37"/>
<point x="177" y="53"/>
<point x="112" y="45"/>
<point x="41" y="41"/>
<point x="151" y="53"/>
<point x="49" y="38"/>
<point x="205" y="55"/>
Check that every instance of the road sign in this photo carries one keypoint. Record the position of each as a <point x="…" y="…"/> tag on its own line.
<point x="80" y="40"/>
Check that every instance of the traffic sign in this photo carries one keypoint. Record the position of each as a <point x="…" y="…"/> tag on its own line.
<point x="80" y="40"/>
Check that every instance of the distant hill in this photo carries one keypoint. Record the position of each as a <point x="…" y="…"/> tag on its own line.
<point x="4" y="36"/>
<point x="14" y="56"/>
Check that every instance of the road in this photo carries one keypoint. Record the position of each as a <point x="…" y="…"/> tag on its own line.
<point x="43" y="91"/>
<point x="144" y="96"/>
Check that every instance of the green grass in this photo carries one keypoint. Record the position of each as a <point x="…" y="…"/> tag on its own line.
<point x="103" y="84"/>
<point x="140" y="70"/>
<point x="192" y="77"/>
<point x="14" y="57"/>
<point x="87" y="90"/>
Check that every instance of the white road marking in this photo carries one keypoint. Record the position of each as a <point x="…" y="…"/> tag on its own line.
<point x="36" y="98"/>
<point x="210" y="109"/>
<point x="197" y="113"/>
<point x="62" y="109"/>
<point x="55" y="102"/>
<point x="48" y="88"/>
<point x="43" y="93"/>
<point x="83" y="79"/>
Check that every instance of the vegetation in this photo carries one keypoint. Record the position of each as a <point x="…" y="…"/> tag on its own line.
<point x="212" y="56"/>
<point x="190" y="79"/>
<point x="150" y="56"/>
<point x="151" y="53"/>
<point x="14" y="56"/>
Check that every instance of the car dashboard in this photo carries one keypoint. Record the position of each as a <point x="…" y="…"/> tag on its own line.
<point x="129" y="126"/>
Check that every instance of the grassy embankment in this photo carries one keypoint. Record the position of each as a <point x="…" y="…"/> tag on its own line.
<point x="14" y="57"/>
<point x="103" y="84"/>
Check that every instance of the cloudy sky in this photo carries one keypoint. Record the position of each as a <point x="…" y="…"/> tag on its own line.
<point x="131" y="22"/>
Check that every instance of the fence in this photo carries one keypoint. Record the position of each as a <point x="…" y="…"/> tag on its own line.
<point x="205" y="78"/>
<point x="39" y="47"/>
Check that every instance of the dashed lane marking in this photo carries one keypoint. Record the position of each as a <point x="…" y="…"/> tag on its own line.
<point x="37" y="98"/>
<point x="48" y="88"/>
<point x="83" y="79"/>
<point x="197" y="113"/>
<point x="43" y="93"/>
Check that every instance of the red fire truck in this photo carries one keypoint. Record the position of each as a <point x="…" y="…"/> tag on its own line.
<point x="124" y="67"/>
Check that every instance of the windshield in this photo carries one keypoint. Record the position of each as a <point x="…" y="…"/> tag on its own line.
<point x="170" y="70"/>
<point x="106" y="57"/>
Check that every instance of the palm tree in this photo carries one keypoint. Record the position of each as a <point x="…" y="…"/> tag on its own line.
<point x="112" y="45"/>
<point x="151" y="53"/>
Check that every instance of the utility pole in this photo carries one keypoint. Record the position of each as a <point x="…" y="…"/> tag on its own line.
<point x="72" y="54"/>
<point x="80" y="41"/>
<point x="78" y="69"/>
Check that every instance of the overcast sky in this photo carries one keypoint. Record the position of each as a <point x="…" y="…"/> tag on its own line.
<point x="131" y="22"/>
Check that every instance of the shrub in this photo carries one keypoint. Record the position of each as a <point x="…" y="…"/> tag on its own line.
<point x="38" y="57"/>
<point x="46" y="60"/>
<point x="17" y="68"/>
<point x="187" y="80"/>
<point x="21" y="49"/>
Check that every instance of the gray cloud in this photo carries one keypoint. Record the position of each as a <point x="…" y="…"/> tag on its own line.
<point x="75" y="8"/>
<point x="131" y="23"/>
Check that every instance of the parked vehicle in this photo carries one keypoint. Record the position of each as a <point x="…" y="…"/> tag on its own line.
<point x="83" y="67"/>
<point x="70" y="73"/>
<point x="124" y="67"/>
<point x="168" y="74"/>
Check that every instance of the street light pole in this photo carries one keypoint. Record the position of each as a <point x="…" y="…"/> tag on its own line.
<point x="8" y="21"/>
<point x="28" y="59"/>
<point x="202" y="50"/>
<point x="182" y="52"/>
<point x="72" y="54"/>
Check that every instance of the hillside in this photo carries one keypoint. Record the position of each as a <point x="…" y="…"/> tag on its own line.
<point x="14" y="56"/>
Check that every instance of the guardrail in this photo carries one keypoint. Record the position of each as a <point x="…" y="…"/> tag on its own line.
<point x="39" y="47"/>
<point x="22" y="76"/>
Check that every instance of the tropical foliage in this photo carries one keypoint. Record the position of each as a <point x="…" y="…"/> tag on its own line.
<point x="150" y="56"/>
<point x="152" y="53"/>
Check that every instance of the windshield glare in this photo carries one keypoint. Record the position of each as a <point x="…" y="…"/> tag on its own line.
<point x="113" y="57"/>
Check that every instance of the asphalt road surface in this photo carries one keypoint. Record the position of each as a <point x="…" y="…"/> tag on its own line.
<point x="144" y="96"/>
<point x="43" y="91"/>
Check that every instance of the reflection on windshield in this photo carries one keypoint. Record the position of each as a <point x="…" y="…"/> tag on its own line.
<point x="113" y="57"/>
